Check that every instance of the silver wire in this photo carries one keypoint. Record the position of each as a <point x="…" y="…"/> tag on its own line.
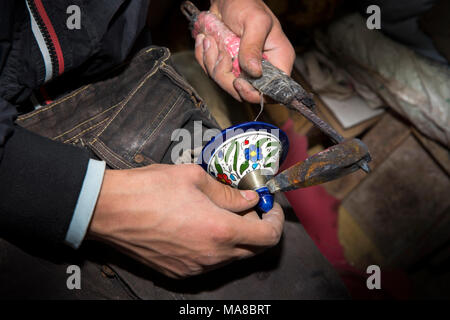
<point x="261" y="104"/>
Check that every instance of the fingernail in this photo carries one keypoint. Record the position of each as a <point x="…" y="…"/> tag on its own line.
<point x="238" y="85"/>
<point x="199" y="40"/>
<point x="254" y="65"/>
<point x="220" y="58"/>
<point x="206" y="44"/>
<point x="248" y="194"/>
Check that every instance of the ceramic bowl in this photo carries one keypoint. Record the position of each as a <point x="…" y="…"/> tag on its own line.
<point x="245" y="156"/>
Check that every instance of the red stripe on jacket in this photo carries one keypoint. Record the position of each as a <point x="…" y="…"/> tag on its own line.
<point x="53" y="37"/>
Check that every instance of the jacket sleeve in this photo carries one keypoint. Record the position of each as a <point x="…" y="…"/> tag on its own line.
<point x="40" y="181"/>
<point x="8" y="114"/>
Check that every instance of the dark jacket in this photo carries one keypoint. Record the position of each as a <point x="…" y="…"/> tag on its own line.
<point x="40" y="179"/>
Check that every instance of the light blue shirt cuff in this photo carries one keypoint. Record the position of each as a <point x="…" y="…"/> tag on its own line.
<point x="87" y="200"/>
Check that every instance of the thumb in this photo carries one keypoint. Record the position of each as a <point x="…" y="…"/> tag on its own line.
<point x="252" y="43"/>
<point x="227" y="197"/>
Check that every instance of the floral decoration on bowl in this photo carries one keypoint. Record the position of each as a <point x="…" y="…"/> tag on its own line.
<point x="244" y="148"/>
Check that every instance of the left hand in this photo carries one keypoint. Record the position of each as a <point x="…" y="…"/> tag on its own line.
<point x="181" y="227"/>
<point x="260" y="32"/>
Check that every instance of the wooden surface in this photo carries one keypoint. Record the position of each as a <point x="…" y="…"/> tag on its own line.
<point x="438" y="152"/>
<point x="381" y="140"/>
<point x="359" y="249"/>
<point x="401" y="202"/>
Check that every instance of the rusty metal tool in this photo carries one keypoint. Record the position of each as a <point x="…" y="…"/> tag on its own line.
<point x="341" y="159"/>
<point x="332" y="163"/>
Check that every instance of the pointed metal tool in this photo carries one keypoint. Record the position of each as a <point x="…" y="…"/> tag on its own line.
<point x="332" y="163"/>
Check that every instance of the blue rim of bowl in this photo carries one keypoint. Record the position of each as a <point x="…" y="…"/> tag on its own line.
<point x="254" y="125"/>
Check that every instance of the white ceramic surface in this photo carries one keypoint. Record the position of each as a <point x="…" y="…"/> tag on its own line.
<point x="243" y="153"/>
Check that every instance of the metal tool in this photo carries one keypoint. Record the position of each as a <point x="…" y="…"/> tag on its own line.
<point x="341" y="159"/>
<point x="332" y="163"/>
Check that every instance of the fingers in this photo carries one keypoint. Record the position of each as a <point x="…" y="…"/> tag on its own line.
<point x="255" y="235"/>
<point x="246" y="91"/>
<point x="250" y="214"/>
<point x="199" y="50"/>
<point x="277" y="49"/>
<point x="216" y="62"/>
<point x="265" y="232"/>
<point x="261" y="33"/>
<point x="249" y="231"/>
<point x="253" y="40"/>
<point x="210" y="55"/>
<point x="227" y="197"/>
<point x="275" y="218"/>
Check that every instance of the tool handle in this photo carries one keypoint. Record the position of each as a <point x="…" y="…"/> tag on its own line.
<point x="209" y="24"/>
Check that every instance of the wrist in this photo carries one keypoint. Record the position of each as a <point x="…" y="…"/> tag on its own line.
<point x="106" y="211"/>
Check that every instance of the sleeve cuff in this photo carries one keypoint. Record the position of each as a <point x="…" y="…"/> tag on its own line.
<point x="85" y="206"/>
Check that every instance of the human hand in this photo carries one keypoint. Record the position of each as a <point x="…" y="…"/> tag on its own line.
<point x="180" y="221"/>
<point x="260" y="32"/>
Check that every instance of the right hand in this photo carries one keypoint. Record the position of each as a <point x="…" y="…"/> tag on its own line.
<point x="180" y="221"/>
<point x="260" y="32"/>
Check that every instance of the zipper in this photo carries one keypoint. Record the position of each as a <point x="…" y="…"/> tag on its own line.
<point x="46" y="38"/>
